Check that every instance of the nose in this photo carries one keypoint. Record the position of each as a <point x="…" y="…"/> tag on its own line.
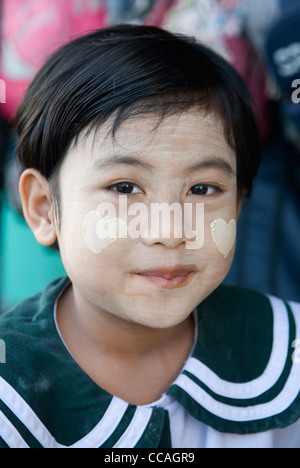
<point x="165" y="226"/>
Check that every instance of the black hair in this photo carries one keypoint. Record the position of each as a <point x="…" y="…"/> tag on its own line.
<point x="128" y="70"/>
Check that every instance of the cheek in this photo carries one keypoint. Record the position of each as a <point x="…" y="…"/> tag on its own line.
<point x="99" y="233"/>
<point x="99" y="272"/>
<point x="215" y="257"/>
<point x="89" y="248"/>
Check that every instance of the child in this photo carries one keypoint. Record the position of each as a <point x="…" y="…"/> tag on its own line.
<point x="138" y="147"/>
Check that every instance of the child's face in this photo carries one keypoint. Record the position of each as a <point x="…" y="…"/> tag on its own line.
<point x="154" y="278"/>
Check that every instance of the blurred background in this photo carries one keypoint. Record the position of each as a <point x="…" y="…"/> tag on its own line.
<point x="262" y="41"/>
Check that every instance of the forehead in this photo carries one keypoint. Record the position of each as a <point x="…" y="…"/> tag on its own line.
<point x="182" y="136"/>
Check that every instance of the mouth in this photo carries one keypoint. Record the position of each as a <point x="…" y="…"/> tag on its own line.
<point x="168" y="277"/>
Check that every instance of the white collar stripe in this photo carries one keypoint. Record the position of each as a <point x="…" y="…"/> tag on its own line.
<point x="9" y="433"/>
<point x="272" y="372"/>
<point x="240" y="414"/>
<point x="279" y="404"/>
<point x="25" y="414"/>
<point x="135" y="429"/>
<point x="29" y="419"/>
<point x="105" y="427"/>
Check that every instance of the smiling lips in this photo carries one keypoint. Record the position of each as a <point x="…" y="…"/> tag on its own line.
<point x="169" y="278"/>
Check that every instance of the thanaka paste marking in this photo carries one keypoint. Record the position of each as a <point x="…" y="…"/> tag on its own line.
<point x="223" y="235"/>
<point x="99" y="233"/>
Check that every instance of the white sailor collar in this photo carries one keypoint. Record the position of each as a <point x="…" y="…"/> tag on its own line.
<point x="242" y="376"/>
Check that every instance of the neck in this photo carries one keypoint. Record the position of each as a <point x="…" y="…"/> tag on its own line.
<point x="128" y="360"/>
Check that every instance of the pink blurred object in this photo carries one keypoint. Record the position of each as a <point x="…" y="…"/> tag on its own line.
<point x="32" y="30"/>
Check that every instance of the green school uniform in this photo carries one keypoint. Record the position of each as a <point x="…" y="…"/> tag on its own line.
<point x="241" y="378"/>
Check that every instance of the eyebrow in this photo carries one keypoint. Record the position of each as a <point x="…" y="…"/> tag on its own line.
<point x="119" y="159"/>
<point x="214" y="162"/>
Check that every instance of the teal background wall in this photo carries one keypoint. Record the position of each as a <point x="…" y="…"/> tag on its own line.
<point x="26" y="266"/>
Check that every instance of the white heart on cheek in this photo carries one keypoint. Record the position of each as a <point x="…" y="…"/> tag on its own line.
<point x="110" y="230"/>
<point x="99" y="233"/>
<point x="89" y="233"/>
<point x="223" y="235"/>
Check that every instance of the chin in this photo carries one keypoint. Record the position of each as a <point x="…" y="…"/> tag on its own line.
<point x="160" y="313"/>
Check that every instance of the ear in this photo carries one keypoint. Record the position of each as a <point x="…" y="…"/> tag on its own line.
<point x="38" y="206"/>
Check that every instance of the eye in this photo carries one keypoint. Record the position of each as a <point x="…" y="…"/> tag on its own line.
<point x="125" y="188"/>
<point x="204" y="189"/>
